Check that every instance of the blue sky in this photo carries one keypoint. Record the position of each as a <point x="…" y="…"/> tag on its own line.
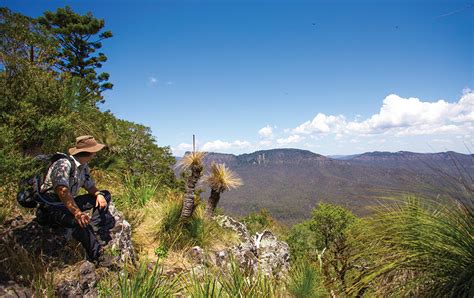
<point x="333" y="77"/>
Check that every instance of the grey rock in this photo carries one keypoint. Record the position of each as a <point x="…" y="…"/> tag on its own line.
<point x="230" y="223"/>
<point x="196" y="254"/>
<point x="121" y="237"/>
<point x="263" y="251"/>
<point x="79" y="280"/>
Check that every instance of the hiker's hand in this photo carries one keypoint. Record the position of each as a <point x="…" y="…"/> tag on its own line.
<point x="100" y="202"/>
<point x="82" y="219"/>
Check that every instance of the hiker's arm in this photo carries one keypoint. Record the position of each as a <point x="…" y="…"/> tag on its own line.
<point x="65" y="196"/>
<point x="100" y="200"/>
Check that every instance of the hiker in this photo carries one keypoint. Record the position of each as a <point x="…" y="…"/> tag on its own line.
<point x="62" y="182"/>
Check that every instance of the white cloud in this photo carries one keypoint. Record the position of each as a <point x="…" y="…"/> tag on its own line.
<point x="400" y="116"/>
<point x="185" y="147"/>
<point x="266" y="132"/>
<point x="289" y="140"/>
<point x="152" y="80"/>
<point x="321" y="124"/>
<point x="219" y="145"/>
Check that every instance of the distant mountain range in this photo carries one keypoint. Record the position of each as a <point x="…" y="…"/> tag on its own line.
<point x="290" y="182"/>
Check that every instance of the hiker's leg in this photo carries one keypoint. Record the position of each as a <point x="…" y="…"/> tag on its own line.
<point x="102" y="221"/>
<point x="87" y="238"/>
<point x="62" y="217"/>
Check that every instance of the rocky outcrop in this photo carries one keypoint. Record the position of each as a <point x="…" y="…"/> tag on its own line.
<point x="121" y="237"/>
<point x="28" y="248"/>
<point x="79" y="280"/>
<point x="262" y="252"/>
<point x="230" y="223"/>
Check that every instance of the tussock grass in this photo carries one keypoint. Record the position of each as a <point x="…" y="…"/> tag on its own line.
<point x="306" y="281"/>
<point x="421" y="248"/>
<point x="232" y="282"/>
<point x="163" y="229"/>
<point x="146" y="283"/>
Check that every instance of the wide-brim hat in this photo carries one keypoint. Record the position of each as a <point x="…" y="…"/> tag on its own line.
<point x="86" y="144"/>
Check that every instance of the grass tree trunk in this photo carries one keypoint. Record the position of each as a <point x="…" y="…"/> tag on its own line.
<point x="212" y="203"/>
<point x="188" y="203"/>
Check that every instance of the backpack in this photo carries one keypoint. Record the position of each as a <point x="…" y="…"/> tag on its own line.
<point x="30" y="194"/>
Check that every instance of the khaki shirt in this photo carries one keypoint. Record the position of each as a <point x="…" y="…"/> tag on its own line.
<point x="59" y="175"/>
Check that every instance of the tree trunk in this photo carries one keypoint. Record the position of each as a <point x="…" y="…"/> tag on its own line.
<point x="212" y="203"/>
<point x="188" y="203"/>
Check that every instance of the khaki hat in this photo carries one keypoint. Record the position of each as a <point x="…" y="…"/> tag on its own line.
<point x="86" y="144"/>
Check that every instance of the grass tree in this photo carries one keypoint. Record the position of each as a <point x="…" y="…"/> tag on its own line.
<point x="192" y="165"/>
<point x="220" y="179"/>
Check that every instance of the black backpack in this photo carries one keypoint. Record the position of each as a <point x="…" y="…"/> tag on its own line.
<point x="30" y="194"/>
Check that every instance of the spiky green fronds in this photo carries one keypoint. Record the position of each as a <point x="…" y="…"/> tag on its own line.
<point x="421" y="248"/>
<point x="221" y="178"/>
<point x="191" y="159"/>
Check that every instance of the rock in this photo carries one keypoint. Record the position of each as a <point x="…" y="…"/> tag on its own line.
<point x="79" y="280"/>
<point x="121" y="235"/>
<point x="230" y="223"/>
<point x="197" y="254"/>
<point x="11" y="289"/>
<point x="261" y="252"/>
<point x="28" y="247"/>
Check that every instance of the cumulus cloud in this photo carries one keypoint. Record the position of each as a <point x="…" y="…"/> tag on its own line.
<point x="219" y="145"/>
<point x="321" y="124"/>
<point x="400" y="116"/>
<point x="289" y="140"/>
<point x="266" y="132"/>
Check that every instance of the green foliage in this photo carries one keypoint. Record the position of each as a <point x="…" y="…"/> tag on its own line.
<point x="161" y="252"/>
<point x="305" y="281"/>
<point x="258" y="221"/>
<point x="44" y="285"/>
<point x="206" y="285"/>
<point x="137" y="191"/>
<point x="330" y="223"/>
<point x="42" y="111"/>
<point x="327" y="240"/>
<point x="420" y="248"/>
<point x="79" y="37"/>
<point x="145" y="283"/>
<point x="233" y="282"/>
<point x="302" y="241"/>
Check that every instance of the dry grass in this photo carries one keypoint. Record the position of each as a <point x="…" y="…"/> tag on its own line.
<point x="221" y="178"/>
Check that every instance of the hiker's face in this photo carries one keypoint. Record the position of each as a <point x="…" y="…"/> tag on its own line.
<point x="86" y="159"/>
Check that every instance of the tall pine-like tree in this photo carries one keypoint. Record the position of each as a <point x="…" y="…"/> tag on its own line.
<point x="80" y="37"/>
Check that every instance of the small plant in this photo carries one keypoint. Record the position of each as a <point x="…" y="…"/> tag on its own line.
<point x="161" y="252"/>
<point x="44" y="285"/>
<point x="207" y="285"/>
